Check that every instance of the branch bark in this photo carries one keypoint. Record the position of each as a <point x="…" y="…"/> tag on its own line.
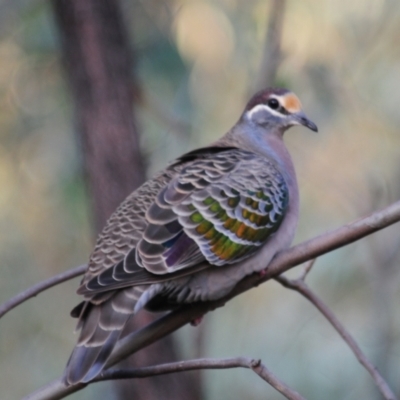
<point x="281" y="387"/>
<point x="190" y="365"/>
<point x="282" y="262"/>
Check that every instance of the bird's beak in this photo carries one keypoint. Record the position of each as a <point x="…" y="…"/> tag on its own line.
<point x="302" y="119"/>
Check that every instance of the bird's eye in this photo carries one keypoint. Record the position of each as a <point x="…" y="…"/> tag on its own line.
<point x="273" y="103"/>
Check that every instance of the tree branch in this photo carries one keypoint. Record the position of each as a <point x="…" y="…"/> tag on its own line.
<point x="169" y="368"/>
<point x="40" y="287"/>
<point x="204" y="363"/>
<point x="281" y="263"/>
<point x="299" y="285"/>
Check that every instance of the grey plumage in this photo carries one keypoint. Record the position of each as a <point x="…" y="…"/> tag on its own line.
<point x="193" y="231"/>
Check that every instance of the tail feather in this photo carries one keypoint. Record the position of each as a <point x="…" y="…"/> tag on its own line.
<point x="102" y="357"/>
<point x="80" y="362"/>
<point x="89" y="325"/>
<point x="102" y="325"/>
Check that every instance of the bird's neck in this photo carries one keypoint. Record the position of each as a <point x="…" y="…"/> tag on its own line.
<point x="269" y="145"/>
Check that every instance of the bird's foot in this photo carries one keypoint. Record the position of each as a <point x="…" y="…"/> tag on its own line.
<point x="197" y="321"/>
<point x="262" y="273"/>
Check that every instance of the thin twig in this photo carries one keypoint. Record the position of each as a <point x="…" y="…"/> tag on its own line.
<point x="169" y="368"/>
<point x="307" y="269"/>
<point x="300" y="286"/>
<point x="282" y="262"/>
<point x="40" y="287"/>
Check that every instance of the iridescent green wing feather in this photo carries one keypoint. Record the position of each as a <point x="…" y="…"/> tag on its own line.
<point x="232" y="217"/>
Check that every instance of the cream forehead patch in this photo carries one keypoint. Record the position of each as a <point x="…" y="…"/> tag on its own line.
<point x="291" y="103"/>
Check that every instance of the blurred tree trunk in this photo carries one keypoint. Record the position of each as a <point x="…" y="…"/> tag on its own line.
<point x="97" y="58"/>
<point x="99" y="65"/>
<point x="272" y="54"/>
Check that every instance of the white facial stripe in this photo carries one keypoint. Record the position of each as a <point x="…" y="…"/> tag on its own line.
<point x="260" y="107"/>
<point x="275" y="96"/>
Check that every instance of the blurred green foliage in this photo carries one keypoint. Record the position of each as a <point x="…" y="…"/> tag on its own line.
<point x="195" y="62"/>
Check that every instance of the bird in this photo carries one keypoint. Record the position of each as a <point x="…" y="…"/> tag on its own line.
<point x="194" y="230"/>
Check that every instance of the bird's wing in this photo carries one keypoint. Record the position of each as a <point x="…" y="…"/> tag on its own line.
<point x="209" y="209"/>
<point x="218" y="207"/>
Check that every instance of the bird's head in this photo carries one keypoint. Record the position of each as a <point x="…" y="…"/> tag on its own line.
<point x="277" y="110"/>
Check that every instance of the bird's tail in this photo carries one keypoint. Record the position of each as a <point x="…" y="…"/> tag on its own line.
<point x="101" y="321"/>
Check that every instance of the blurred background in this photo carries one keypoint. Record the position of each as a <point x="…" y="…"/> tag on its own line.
<point x="196" y="64"/>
